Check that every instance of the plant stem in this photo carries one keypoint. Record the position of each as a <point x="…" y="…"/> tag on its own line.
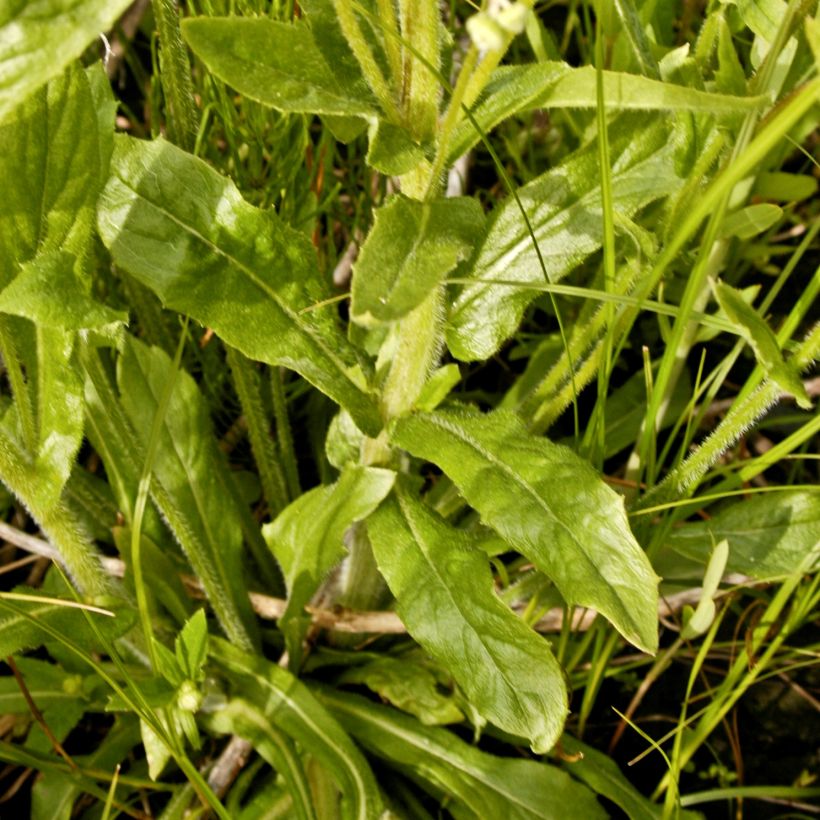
<point x="176" y="76"/>
<point x="19" y="388"/>
<point x="283" y="432"/>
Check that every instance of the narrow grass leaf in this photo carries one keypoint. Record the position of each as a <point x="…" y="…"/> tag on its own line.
<point x="479" y="784"/>
<point x="506" y="670"/>
<point x="185" y="232"/>
<point x="548" y="504"/>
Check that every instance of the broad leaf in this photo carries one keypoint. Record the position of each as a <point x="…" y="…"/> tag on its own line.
<point x="548" y="504"/>
<point x="307" y="537"/>
<point x="191" y="494"/>
<point x="274" y="697"/>
<point x="391" y="149"/>
<point x="477" y="785"/>
<point x="516" y="89"/>
<point x="278" y="64"/>
<point x="50" y="291"/>
<point x="565" y="213"/>
<point x="751" y="220"/>
<point x="410" y="249"/>
<point x="409" y="684"/>
<point x="507" y="671"/>
<point x="763" y="342"/>
<point x="29" y="30"/>
<point x="769" y="534"/>
<point x="185" y="232"/>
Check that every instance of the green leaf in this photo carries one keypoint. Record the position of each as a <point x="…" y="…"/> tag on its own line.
<point x="187" y="484"/>
<point x="391" y="149"/>
<point x="411" y="248"/>
<point x="516" y="89"/>
<point x="29" y="30"/>
<point x="548" y="504"/>
<point x="278" y="64"/>
<point x="191" y="645"/>
<point x="307" y="538"/>
<point x="185" y="232"/>
<point x="565" y="212"/>
<point x="699" y="620"/>
<point x="751" y="220"/>
<point x="636" y="37"/>
<point x="784" y="187"/>
<point x="438" y="386"/>
<point x="507" y="671"/>
<point x="19" y="620"/>
<point x="479" y="784"/>
<point x="764" y="343"/>
<point x="50" y="291"/>
<point x="410" y="685"/>
<point x="274" y="697"/>
<point x="247" y="720"/>
<point x="769" y="534"/>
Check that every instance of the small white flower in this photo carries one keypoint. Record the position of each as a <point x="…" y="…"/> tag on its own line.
<point x="486" y="33"/>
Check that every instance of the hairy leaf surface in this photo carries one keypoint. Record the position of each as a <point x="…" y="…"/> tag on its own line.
<point x="550" y="505"/>
<point x="564" y="210"/>
<point x="186" y="468"/>
<point x="29" y="32"/>
<point x="769" y="534"/>
<point x="278" y="64"/>
<point x="185" y="232"/>
<point x="307" y="537"/>
<point x="410" y="249"/>
<point x="516" y="89"/>
<point x="480" y="784"/>
<point x="446" y="599"/>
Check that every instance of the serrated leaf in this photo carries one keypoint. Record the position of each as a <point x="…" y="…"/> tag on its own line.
<point x="185" y="232"/>
<point x="768" y="534"/>
<point x="186" y="471"/>
<point x="564" y="209"/>
<point x="478" y="784"/>
<point x="274" y="697"/>
<point x="411" y="248"/>
<point x="30" y="28"/>
<point x="307" y="537"/>
<point x="764" y="343"/>
<point x="277" y="64"/>
<point x="548" y="504"/>
<point x="507" y="671"/>
<point x="516" y="89"/>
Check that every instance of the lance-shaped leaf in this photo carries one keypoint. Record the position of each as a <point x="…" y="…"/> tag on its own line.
<point x="185" y="232"/>
<point x="190" y="493"/>
<point x="278" y="64"/>
<point x="565" y="213"/>
<point x="479" y="784"/>
<point x="29" y="30"/>
<point x="768" y="534"/>
<point x="446" y="600"/>
<point x="550" y="505"/>
<point x="275" y="698"/>
<point x="411" y="248"/>
<point x="515" y="89"/>
<point x="763" y="342"/>
<point x="307" y="537"/>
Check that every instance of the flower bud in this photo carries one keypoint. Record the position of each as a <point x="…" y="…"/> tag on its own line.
<point x="485" y="33"/>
